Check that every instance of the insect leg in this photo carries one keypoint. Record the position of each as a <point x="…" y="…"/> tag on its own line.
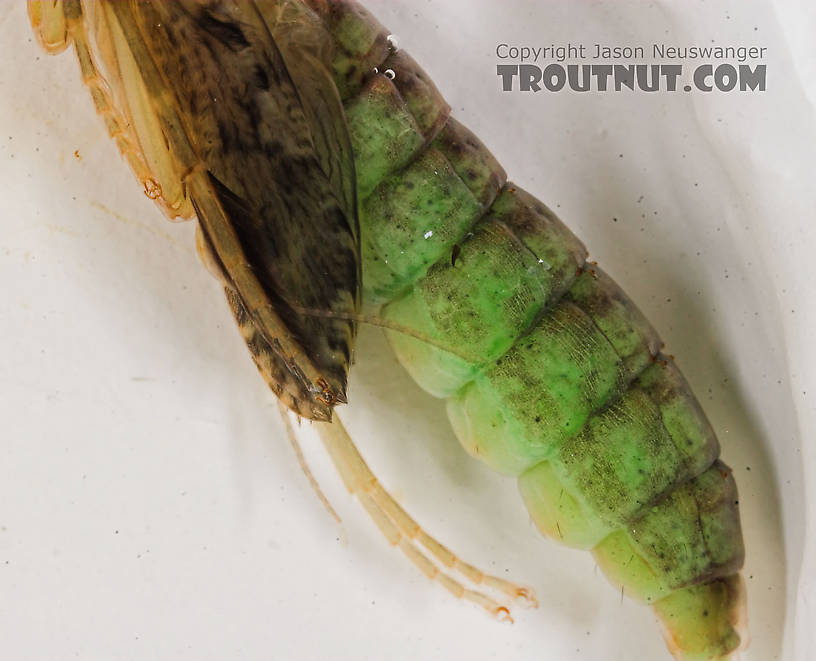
<point x="49" y="24"/>
<point x="396" y="537"/>
<point x="59" y="23"/>
<point x="401" y="529"/>
<point x="445" y="556"/>
<point x="290" y="432"/>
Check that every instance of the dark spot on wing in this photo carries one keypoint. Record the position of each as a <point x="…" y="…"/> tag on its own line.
<point x="230" y="34"/>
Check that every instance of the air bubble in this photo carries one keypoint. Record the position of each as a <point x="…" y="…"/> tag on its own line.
<point x="533" y="269"/>
<point x="393" y="42"/>
<point x="389" y="73"/>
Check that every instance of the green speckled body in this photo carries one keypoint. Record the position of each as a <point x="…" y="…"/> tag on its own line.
<point x="551" y="373"/>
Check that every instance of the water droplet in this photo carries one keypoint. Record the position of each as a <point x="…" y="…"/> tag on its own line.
<point x="389" y="73"/>
<point x="393" y="42"/>
<point x="428" y="234"/>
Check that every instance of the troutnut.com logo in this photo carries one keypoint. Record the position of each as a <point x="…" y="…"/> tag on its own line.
<point x="605" y="68"/>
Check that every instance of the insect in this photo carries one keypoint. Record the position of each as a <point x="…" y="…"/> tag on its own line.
<point x="323" y="392"/>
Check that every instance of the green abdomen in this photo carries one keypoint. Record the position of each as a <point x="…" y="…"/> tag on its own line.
<point x="551" y="374"/>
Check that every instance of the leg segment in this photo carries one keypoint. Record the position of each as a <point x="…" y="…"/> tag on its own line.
<point x="48" y="21"/>
<point x="57" y="24"/>
<point x="401" y="530"/>
<point x="290" y="432"/>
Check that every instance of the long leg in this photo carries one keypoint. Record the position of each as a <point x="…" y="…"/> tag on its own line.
<point x="59" y="23"/>
<point x="290" y="432"/>
<point x="400" y="529"/>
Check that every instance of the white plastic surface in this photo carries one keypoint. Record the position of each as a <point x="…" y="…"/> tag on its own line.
<point x="150" y="506"/>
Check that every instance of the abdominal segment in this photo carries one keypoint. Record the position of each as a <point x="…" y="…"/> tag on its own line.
<point x="551" y="373"/>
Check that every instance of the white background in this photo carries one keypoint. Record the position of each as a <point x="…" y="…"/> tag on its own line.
<point x="150" y="506"/>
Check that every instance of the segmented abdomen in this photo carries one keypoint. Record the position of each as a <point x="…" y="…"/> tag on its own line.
<point x="551" y="373"/>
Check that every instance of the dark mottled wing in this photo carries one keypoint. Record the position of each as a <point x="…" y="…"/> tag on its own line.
<point x="304" y="44"/>
<point x="251" y="85"/>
